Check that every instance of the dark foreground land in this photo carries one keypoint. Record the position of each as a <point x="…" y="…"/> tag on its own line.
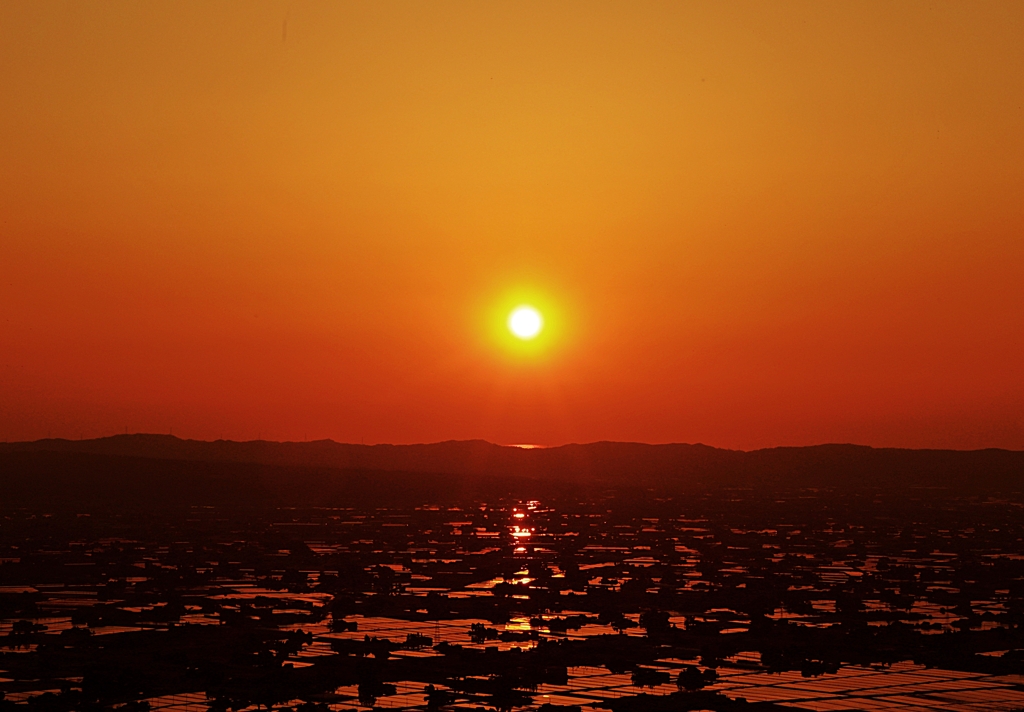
<point x="133" y="582"/>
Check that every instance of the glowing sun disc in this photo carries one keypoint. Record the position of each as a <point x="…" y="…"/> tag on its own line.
<point x="525" y="322"/>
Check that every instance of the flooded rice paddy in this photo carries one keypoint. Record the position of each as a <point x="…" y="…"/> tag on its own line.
<point x="804" y="599"/>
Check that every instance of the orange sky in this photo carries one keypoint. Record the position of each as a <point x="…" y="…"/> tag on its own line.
<point x="747" y="224"/>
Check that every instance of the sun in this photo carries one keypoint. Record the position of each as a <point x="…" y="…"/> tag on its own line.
<point x="525" y="322"/>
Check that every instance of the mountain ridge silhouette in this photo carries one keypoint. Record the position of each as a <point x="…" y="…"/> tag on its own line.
<point x="603" y="462"/>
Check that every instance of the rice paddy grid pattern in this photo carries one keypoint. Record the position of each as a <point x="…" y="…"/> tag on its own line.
<point x="851" y="689"/>
<point x="443" y="631"/>
<point x="947" y="690"/>
<point x="899" y="687"/>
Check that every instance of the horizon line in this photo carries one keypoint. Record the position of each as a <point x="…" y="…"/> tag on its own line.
<point x="511" y="446"/>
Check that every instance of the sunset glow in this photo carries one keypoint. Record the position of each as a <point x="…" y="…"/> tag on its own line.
<point x="517" y="356"/>
<point x="743" y="224"/>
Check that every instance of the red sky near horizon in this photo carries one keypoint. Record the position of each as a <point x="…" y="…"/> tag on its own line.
<point x="746" y="224"/>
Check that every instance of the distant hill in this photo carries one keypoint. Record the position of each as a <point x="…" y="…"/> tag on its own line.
<point x="141" y="466"/>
